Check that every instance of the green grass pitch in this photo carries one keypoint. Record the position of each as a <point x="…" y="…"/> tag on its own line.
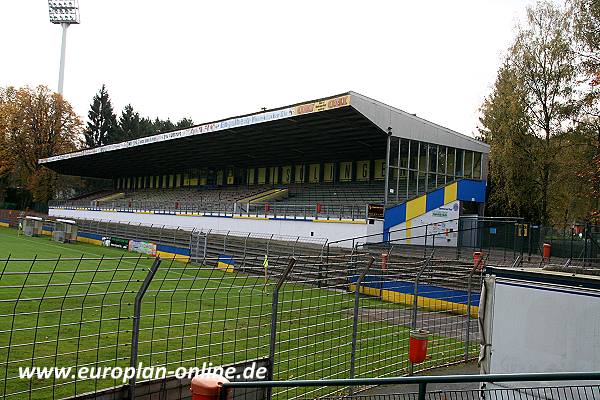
<point x="190" y="315"/>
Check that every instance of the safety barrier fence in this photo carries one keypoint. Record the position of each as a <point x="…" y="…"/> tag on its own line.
<point x="502" y="240"/>
<point x="327" y="211"/>
<point x="303" y="317"/>
<point x="556" y="386"/>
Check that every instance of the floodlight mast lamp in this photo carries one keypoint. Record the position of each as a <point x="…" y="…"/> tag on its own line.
<point x="65" y="13"/>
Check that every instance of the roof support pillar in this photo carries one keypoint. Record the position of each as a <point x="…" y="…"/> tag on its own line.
<point x="387" y="167"/>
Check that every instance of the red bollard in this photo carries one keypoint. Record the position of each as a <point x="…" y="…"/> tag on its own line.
<point x="319" y="208"/>
<point x="476" y="259"/>
<point x="384" y="261"/>
<point x="417" y="346"/>
<point x="546" y="251"/>
<point x="207" y="386"/>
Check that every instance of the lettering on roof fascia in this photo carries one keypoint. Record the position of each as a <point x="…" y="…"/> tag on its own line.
<point x="231" y="123"/>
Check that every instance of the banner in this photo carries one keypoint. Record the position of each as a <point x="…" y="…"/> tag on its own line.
<point x="113" y="241"/>
<point x="142" y="247"/>
<point x="317" y="106"/>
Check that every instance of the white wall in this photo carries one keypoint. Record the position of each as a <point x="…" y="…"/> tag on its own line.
<point x="544" y="328"/>
<point x="332" y="231"/>
<point x="438" y="224"/>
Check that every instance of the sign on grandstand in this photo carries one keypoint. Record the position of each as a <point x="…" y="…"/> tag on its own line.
<point x="375" y="211"/>
<point x="307" y="108"/>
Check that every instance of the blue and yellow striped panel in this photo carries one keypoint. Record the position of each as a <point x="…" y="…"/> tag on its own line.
<point x="464" y="189"/>
<point x="90" y="238"/>
<point x="226" y="263"/>
<point x="173" y="253"/>
<point x="432" y="297"/>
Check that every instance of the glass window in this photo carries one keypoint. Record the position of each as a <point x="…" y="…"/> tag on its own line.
<point x="423" y="157"/>
<point x="441" y="180"/>
<point x="441" y="160"/>
<point x="477" y="165"/>
<point x="421" y="183"/>
<point x="432" y="158"/>
<point x="431" y="182"/>
<point x="460" y="154"/>
<point x="404" y="153"/>
<point x="450" y="161"/>
<point x="468" y="164"/>
<point x="395" y="143"/>
<point x="412" y="184"/>
<point x="414" y="155"/>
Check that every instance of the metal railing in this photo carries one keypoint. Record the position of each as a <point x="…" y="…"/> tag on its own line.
<point x="329" y="211"/>
<point x="557" y="386"/>
<point x="304" y="317"/>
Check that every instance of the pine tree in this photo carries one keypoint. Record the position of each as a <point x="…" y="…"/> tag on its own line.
<point x="102" y="125"/>
<point x="129" y="123"/>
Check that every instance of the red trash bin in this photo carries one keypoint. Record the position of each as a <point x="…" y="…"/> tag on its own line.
<point x="207" y="386"/>
<point x="384" y="261"/>
<point x="547" y="250"/>
<point x="476" y="259"/>
<point x="417" y="345"/>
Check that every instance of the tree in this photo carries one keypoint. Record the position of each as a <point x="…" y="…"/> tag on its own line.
<point x="34" y="124"/>
<point x="505" y="127"/>
<point x="161" y="126"/>
<point x="543" y="57"/>
<point x="586" y="22"/>
<point x="102" y="125"/>
<point x="528" y="117"/>
<point x="184" y="123"/>
<point x="129" y="123"/>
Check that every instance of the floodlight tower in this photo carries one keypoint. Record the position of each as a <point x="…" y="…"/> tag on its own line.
<point x="65" y="13"/>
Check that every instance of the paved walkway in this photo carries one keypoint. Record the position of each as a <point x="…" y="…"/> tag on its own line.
<point x="460" y="369"/>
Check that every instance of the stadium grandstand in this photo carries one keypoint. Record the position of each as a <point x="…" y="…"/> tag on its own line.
<point x="364" y="167"/>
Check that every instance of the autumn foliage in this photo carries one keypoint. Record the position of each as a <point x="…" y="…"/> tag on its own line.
<point x="35" y="123"/>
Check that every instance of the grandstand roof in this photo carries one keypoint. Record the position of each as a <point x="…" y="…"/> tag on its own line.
<point x="337" y="128"/>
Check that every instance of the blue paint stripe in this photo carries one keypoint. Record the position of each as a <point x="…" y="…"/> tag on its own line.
<point x="89" y="235"/>
<point x="425" y="290"/>
<point x="470" y="190"/>
<point x="225" y="259"/>
<point x="434" y="200"/>
<point x="172" y="249"/>
<point x="394" y="216"/>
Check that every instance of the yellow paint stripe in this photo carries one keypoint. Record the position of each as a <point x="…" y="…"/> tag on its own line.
<point x="425" y="302"/>
<point x="450" y="192"/>
<point x="416" y="207"/>
<point x="225" y="267"/>
<point x="173" y="256"/>
<point x="189" y="215"/>
<point x="245" y="217"/>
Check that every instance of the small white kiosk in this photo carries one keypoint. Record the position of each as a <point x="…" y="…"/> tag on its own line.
<point x="32" y="226"/>
<point x="65" y="231"/>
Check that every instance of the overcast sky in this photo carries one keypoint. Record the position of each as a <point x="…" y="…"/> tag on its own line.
<point x="214" y="59"/>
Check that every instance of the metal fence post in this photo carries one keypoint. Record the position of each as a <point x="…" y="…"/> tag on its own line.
<point x="416" y="297"/>
<point x="476" y="267"/>
<point x="135" y="331"/>
<point x="355" y="319"/>
<point x="274" y="307"/>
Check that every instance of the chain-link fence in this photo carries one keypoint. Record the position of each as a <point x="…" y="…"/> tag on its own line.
<point x="303" y="317"/>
